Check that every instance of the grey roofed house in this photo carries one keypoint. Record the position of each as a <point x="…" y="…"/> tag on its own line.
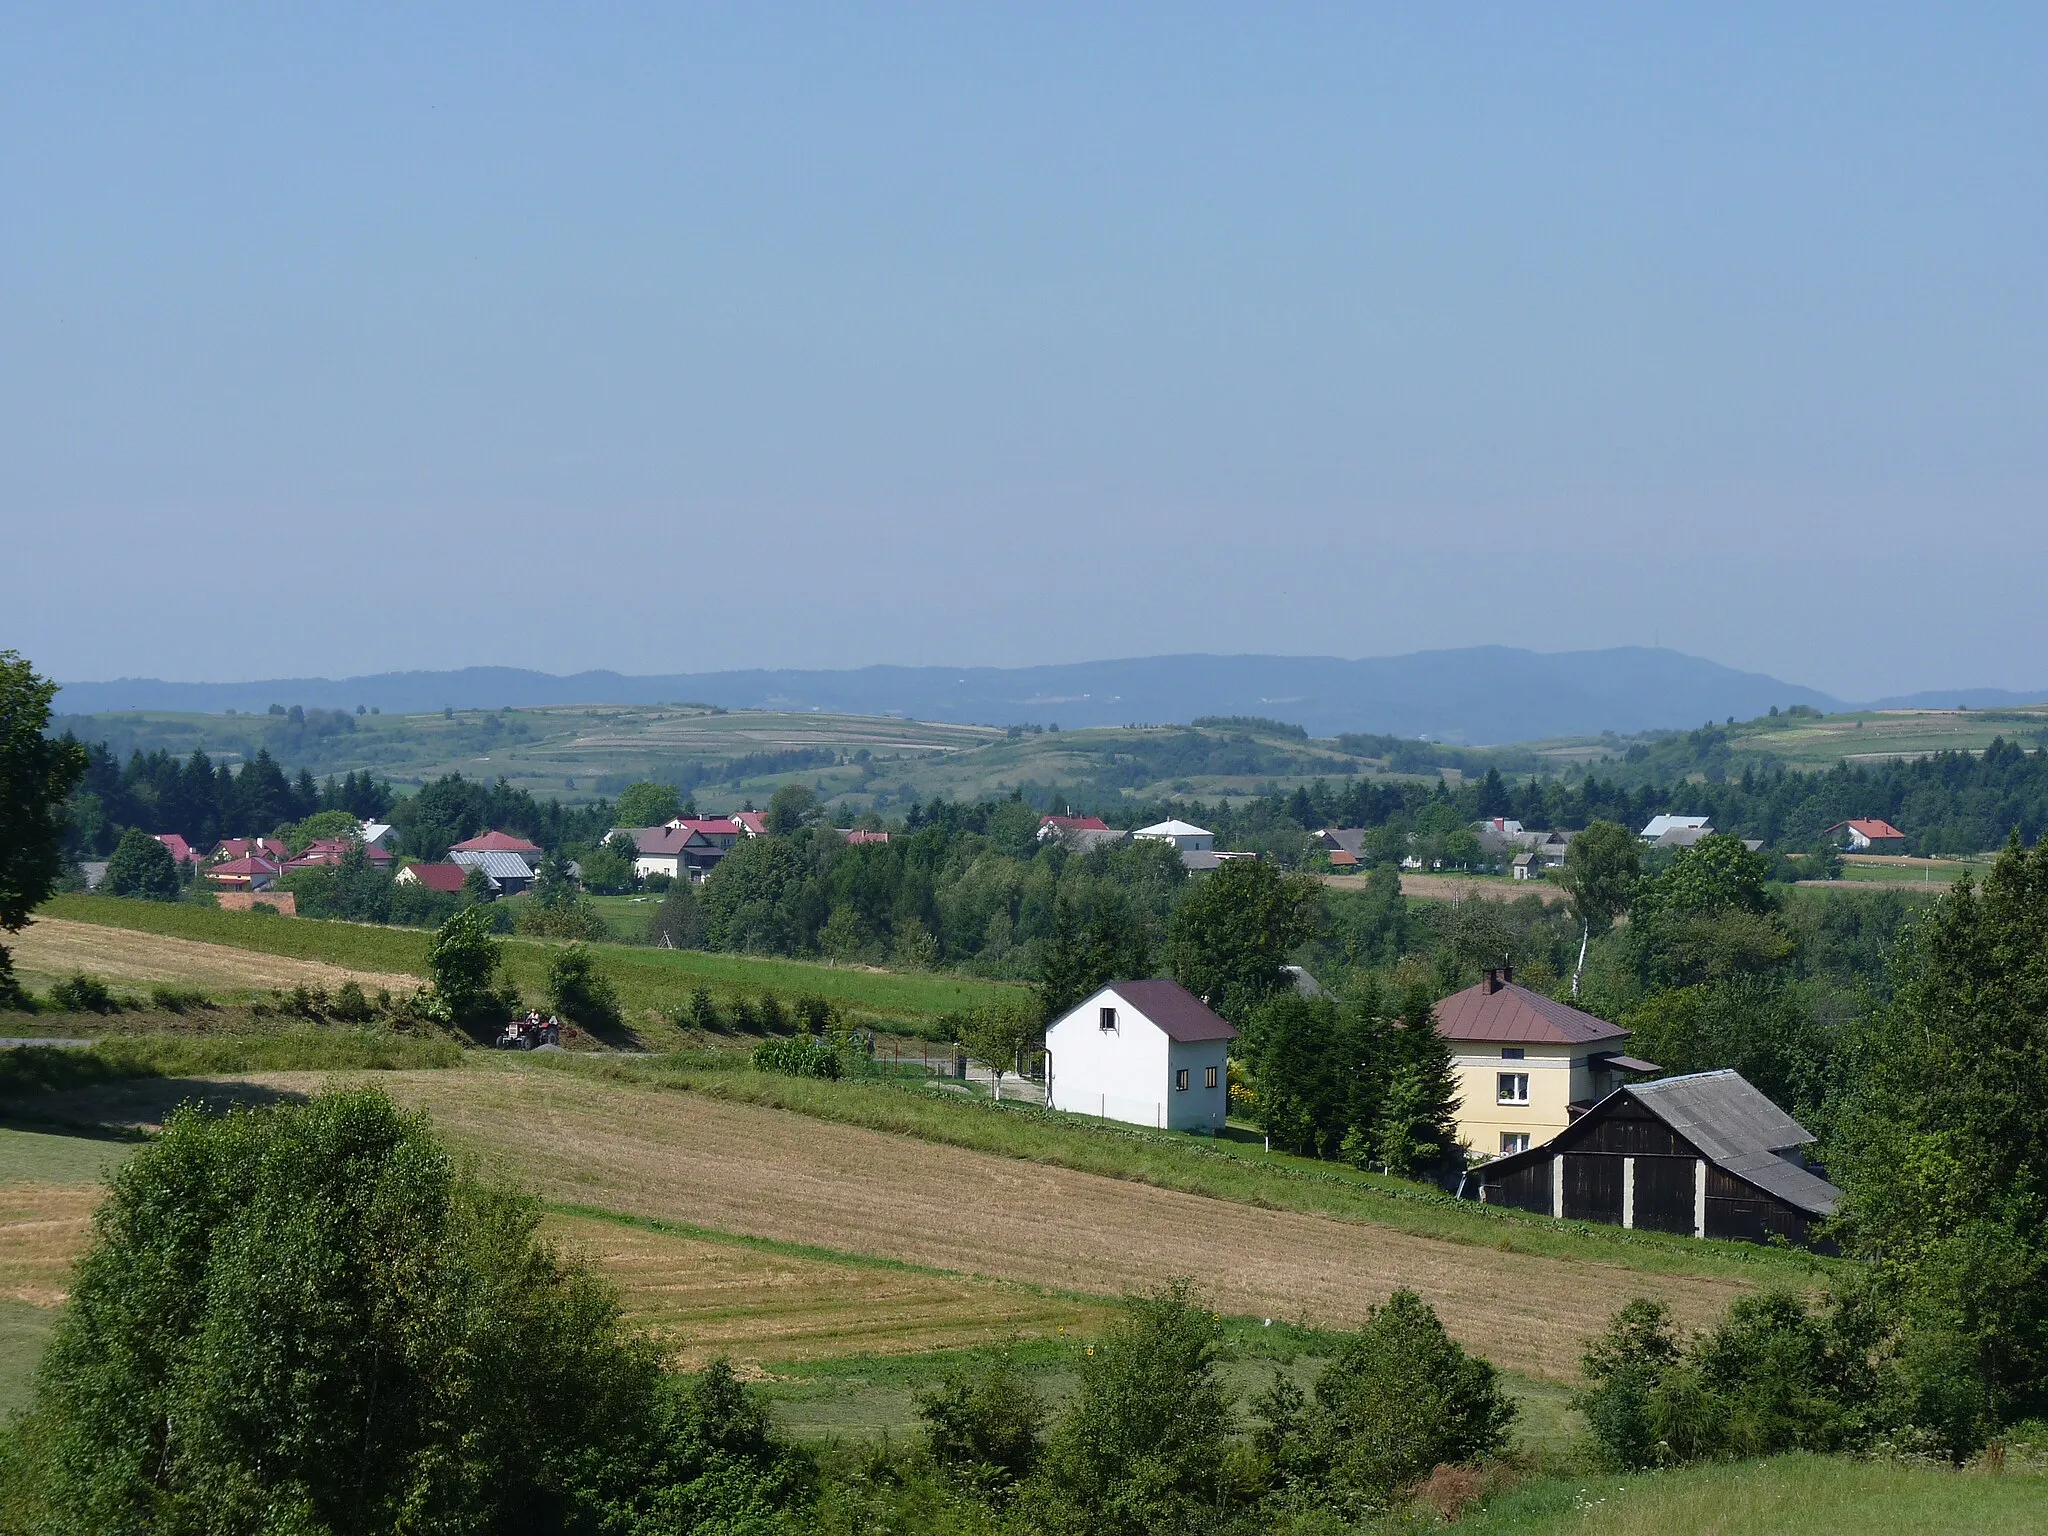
<point x="1705" y="1153"/>
<point x="1088" y="839"/>
<point x="1729" y="1120"/>
<point x="1349" y="840"/>
<point x="508" y="872"/>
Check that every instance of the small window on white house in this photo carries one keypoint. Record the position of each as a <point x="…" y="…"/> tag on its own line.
<point x="1180" y="1081"/>
<point x="1106" y="1019"/>
<point x="1511" y="1053"/>
<point x="1208" y="1077"/>
<point x="1514" y="1087"/>
<point x="1513" y="1141"/>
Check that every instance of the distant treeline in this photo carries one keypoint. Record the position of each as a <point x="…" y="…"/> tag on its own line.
<point x="690" y="777"/>
<point x="1950" y="802"/>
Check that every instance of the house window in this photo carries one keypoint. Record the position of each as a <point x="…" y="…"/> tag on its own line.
<point x="1180" y="1081"/>
<point x="1513" y="1141"/>
<point x="1106" y="1019"/>
<point x="1514" y="1088"/>
<point x="1208" y="1077"/>
<point x="1511" y="1053"/>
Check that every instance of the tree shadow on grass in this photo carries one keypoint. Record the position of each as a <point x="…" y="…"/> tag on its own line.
<point x="134" y="1107"/>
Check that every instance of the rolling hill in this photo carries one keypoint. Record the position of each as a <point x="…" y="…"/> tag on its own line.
<point x="1485" y="694"/>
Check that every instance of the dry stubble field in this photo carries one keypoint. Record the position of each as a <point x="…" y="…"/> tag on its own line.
<point x="51" y="948"/>
<point x="771" y="1174"/>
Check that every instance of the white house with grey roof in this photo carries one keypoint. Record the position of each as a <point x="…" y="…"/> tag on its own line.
<point x="1144" y="1052"/>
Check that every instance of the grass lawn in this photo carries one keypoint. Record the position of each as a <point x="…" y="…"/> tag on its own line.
<point x="650" y="981"/>
<point x="1785" y="1496"/>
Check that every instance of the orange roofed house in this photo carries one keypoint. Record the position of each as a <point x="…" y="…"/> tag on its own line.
<point x="1527" y="1066"/>
<point x="1868" y="836"/>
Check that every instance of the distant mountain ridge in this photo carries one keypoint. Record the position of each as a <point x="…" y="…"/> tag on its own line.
<point x="1480" y="696"/>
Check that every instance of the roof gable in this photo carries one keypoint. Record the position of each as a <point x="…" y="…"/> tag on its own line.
<point x="495" y="841"/>
<point x="1516" y="1015"/>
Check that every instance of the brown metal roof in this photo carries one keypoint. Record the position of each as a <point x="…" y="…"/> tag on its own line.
<point x="1518" y="1016"/>
<point x="1176" y="1010"/>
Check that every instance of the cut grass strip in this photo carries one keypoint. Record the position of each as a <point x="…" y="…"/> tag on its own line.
<point x="1222" y="1169"/>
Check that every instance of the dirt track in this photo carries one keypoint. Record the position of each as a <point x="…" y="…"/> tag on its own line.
<point x="773" y="1174"/>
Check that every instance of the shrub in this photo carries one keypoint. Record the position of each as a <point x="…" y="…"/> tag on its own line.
<point x="580" y="991"/>
<point x="704" y="1012"/>
<point x="1142" y="1446"/>
<point x="1771" y="1377"/>
<point x="80" y="993"/>
<point x="798" y="1056"/>
<point x="986" y="1429"/>
<point x="351" y="1006"/>
<point x="1623" y="1369"/>
<point x="1400" y="1398"/>
<point x="178" y="999"/>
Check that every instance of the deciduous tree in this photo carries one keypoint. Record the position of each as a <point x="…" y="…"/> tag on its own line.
<point x="36" y="776"/>
<point x="141" y="866"/>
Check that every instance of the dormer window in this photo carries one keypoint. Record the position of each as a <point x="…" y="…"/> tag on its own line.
<point x="1105" y="1020"/>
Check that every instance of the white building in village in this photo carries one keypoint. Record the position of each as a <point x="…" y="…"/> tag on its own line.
<point x="1144" y="1052"/>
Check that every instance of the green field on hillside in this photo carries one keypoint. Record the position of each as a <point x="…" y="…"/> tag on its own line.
<point x="647" y="979"/>
<point x="1785" y="1496"/>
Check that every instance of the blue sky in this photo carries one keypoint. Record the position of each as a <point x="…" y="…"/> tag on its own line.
<point x="337" y="339"/>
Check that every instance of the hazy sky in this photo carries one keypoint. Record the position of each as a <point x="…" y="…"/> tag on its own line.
<point x="347" y="338"/>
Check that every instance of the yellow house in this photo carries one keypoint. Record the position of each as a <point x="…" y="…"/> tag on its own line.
<point x="1527" y="1066"/>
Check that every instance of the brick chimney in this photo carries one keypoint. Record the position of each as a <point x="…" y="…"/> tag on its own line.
<point x="1490" y="982"/>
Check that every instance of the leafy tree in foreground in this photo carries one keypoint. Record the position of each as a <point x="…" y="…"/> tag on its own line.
<point x="36" y="776"/>
<point x="141" y="866"/>
<point x="303" y="1320"/>
<point x="1943" y="1150"/>
<point x="1601" y="866"/>
<point x="1233" y="932"/>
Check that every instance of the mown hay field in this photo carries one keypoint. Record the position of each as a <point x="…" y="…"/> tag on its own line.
<point x="52" y="948"/>
<point x="769" y="1173"/>
<point x="650" y="981"/>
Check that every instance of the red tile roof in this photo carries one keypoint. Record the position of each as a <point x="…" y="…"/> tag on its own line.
<point x="863" y="835"/>
<point x="1075" y="823"/>
<point x="439" y="877"/>
<point x="1872" y="828"/>
<point x="496" y="842"/>
<point x="712" y="826"/>
<point x="1176" y="1010"/>
<point x="181" y="851"/>
<point x="1515" y="1014"/>
<point x="753" y="823"/>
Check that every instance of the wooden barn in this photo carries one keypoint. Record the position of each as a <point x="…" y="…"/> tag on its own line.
<point x="1705" y="1154"/>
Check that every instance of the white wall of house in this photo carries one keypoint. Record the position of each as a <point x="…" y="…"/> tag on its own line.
<point x="1131" y="1072"/>
<point x="1555" y="1075"/>
<point x="657" y="864"/>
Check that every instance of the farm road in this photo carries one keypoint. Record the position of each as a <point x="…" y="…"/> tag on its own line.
<point x="769" y="1173"/>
